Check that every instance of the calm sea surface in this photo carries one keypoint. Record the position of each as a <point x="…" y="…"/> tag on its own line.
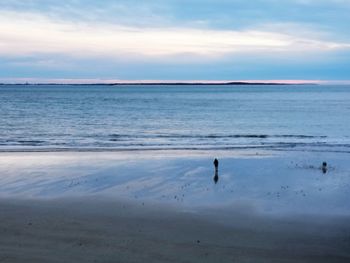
<point x="174" y="117"/>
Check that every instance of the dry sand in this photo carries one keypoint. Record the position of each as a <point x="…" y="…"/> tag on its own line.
<point x="89" y="230"/>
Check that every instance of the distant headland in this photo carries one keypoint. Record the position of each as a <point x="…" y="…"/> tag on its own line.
<point x="164" y="83"/>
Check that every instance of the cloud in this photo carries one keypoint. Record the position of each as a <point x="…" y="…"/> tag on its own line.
<point x="23" y="34"/>
<point x="175" y="39"/>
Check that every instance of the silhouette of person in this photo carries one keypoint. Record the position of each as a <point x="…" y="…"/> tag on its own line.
<point x="216" y="163"/>
<point x="216" y="176"/>
<point x="324" y="167"/>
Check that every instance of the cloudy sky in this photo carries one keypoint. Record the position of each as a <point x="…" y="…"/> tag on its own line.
<point x="174" y="40"/>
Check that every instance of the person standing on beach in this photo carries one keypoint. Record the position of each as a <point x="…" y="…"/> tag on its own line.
<point x="324" y="167"/>
<point x="216" y="165"/>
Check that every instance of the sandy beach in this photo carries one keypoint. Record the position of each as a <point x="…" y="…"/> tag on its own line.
<point x="78" y="230"/>
<point x="165" y="207"/>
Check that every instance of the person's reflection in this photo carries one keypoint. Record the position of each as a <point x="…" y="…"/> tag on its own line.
<point x="216" y="176"/>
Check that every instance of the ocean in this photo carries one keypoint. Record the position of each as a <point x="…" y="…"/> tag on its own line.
<point x="193" y="117"/>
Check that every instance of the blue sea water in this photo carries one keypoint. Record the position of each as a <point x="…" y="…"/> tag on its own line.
<point x="278" y="117"/>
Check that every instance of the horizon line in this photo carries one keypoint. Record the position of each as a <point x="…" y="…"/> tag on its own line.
<point x="96" y="81"/>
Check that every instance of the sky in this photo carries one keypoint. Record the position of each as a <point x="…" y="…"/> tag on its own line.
<point x="186" y="40"/>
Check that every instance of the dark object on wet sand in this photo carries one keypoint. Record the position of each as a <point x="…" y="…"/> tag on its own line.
<point x="324" y="167"/>
<point x="216" y="176"/>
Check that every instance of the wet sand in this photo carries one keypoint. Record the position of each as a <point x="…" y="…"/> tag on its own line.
<point x="77" y="230"/>
<point x="137" y="207"/>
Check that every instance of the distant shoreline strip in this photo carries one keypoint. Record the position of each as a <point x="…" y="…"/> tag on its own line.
<point x="158" y="84"/>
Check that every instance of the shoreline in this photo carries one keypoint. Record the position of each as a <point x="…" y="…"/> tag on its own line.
<point x="241" y="150"/>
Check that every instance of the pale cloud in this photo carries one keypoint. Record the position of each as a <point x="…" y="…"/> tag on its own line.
<point x="29" y="34"/>
<point x="322" y="1"/>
